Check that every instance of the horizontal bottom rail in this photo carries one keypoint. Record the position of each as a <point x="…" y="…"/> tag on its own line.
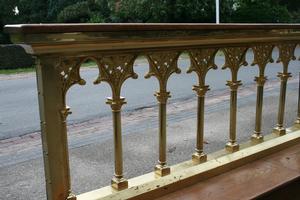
<point x="149" y="186"/>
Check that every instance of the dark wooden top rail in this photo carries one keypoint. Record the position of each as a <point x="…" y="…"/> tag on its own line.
<point x="111" y="27"/>
<point x="83" y="38"/>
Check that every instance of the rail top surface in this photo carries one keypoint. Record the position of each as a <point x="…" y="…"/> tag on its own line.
<point x="81" y="38"/>
<point x="111" y="27"/>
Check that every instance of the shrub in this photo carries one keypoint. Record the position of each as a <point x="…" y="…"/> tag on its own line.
<point x="14" y="57"/>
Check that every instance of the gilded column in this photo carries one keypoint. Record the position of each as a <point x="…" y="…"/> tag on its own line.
<point x="297" y="122"/>
<point x="286" y="54"/>
<point x="202" y="60"/>
<point x="262" y="56"/>
<point x="161" y="66"/>
<point x="235" y="57"/>
<point x="115" y="70"/>
<point x="54" y="77"/>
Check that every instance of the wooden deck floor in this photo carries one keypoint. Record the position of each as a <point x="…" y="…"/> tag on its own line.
<point x="267" y="178"/>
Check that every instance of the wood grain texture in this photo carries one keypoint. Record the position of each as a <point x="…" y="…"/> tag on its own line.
<point x="111" y="27"/>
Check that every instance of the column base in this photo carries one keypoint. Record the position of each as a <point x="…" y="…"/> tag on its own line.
<point x="160" y="170"/>
<point x="232" y="147"/>
<point x="71" y="197"/>
<point x="279" y="131"/>
<point x="257" y="138"/>
<point x="119" y="183"/>
<point x="199" y="158"/>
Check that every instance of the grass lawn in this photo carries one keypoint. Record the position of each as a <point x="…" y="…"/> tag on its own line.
<point x="16" y="71"/>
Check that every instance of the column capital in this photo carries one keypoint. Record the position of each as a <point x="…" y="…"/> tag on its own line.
<point x="234" y="85"/>
<point x="162" y="96"/>
<point x="201" y="90"/>
<point x="260" y="80"/>
<point x="116" y="104"/>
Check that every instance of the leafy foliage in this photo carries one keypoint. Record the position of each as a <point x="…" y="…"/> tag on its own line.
<point x="267" y="11"/>
<point x="100" y="11"/>
<point x="78" y="12"/>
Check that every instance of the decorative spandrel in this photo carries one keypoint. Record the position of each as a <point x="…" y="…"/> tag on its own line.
<point x="262" y="56"/>
<point x="202" y="60"/>
<point x="161" y="66"/>
<point x="69" y="72"/>
<point x="235" y="57"/>
<point x="115" y="70"/>
<point x="286" y="54"/>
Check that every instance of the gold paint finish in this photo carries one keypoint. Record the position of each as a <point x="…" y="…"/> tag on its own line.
<point x="162" y="65"/>
<point x="262" y="56"/>
<point x="61" y="52"/>
<point x="286" y="54"/>
<point x="148" y="187"/>
<point x="115" y="69"/>
<point x="54" y="78"/>
<point x="297" y="122"/>
<point x="202" y="60"/>
<point x="235" y="57"/>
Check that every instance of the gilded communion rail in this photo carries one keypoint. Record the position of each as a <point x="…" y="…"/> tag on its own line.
<point x="62" y="48"/>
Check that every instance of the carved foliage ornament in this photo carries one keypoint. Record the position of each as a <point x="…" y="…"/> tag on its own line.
<point x="162" y="65"/>
<point x="202" y="60"/>
<point x="286" y="54"/>
<point x="115" y="69"/>
<point x="262" y="56"/>
<point x="69" y="72"/>
<point x="235" y="57"/>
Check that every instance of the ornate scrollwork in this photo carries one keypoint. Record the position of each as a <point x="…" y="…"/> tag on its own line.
<point x="162" y="65"/>
<point x="202" y="60"/>
<point x="286" y="54"/>
<point x="115" y="69"/>
<point x="235" y="57"/>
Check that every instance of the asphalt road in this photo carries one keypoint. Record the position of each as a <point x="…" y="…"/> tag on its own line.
<point x="19" y="106"/>
<point x="91" y="164"/>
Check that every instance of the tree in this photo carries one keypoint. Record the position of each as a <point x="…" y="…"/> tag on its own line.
<point x="256" y="11"/>
<point x="7" y="16"/>
<point x="32" y="11"/>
